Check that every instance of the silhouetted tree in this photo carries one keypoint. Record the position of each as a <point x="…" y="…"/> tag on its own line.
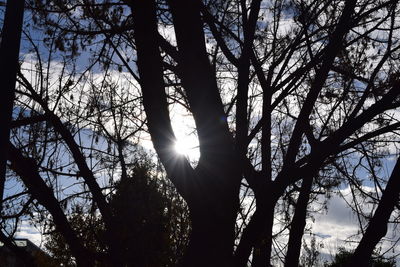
<point x="9" y="49"/>
<point x="289" y="99"/>
<point x="343" y="256"/>
<point x="146" y="222"/>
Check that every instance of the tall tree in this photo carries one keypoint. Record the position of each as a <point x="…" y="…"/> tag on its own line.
<point x="211" y="190"/>
<point x="9" y="55"/>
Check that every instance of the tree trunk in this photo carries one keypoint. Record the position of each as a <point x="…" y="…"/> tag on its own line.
<point x="298" y="224"/>
<point x="211" y="239"/>
<point x="377" y="227"/>
<point x="9" y="50"/>
<point x="260" y="226"/>
<point x="212" y="189"/>
<point x="262" y="251"/>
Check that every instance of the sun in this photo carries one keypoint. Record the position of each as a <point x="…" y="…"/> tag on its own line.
<point x="187" y="146"/>
<point x="187" y="142"/>
<point x="181" y="148"/>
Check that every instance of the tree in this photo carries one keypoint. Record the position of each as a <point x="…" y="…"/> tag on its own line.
<point x="146" y="224"/>
<point x="9" y="49"/>
<point x="343" y="256"/>
<point x="286" y="98"/>
<point x="310" y="255"/>
<point x="377" y="227"/>
<point x="191" y="46"/>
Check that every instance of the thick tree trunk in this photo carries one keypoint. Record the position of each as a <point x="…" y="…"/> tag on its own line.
<point x="377" y="227"/>
<point x="9" y="50"/>
<point x="212" y="189"/>
<point x="298" y="224"/>
<point x="211" y="239"/>
<point x="260" y="253"/>
<point x="262" y="250"/>
<point x="213" y="211"/>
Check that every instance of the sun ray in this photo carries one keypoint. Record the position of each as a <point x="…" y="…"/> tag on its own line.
<point x="187" y="146"/>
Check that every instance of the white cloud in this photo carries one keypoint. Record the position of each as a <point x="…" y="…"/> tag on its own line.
<point x="28" y="231"/>
<point x="339" y="227"/>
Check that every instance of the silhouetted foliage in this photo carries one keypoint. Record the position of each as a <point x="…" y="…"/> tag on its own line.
<point x="343" y="256"/>
<point x="311" y="254"/>
<point x="146" y="225"/>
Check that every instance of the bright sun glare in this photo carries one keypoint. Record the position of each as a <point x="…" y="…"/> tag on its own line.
<point x="187" y="147"/>
<point x="187" y="143"/>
